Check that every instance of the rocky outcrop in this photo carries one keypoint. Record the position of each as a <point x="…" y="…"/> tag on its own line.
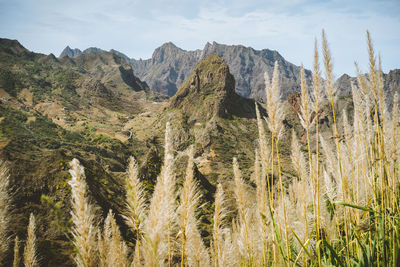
<point x="392" y="82"/>
<point x="210" y="91"/>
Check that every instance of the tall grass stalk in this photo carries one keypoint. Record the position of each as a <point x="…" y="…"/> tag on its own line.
<point x="220" y="214"/>
<point x="193" y="251"/>
<point x="117" y="249"/>
<point x="161" y="219"/>
<point x="241" y="199"/>
<point x="16" y="258"/>
<point x="5" y="204"/>
<point x="83" y="217"/>
<point x="135" y="203"/>
<point x="317" y="96"/>
<point x="30" y="257"/>
<point x="275" y="118"/>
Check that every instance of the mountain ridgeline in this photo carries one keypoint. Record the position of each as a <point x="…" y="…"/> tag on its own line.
<point x="170" y="66"/>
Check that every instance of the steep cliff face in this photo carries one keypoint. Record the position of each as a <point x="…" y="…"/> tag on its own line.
<point x="392" y="81"/>
<point x="170" y="66"/>
<point x="167" y="69"/>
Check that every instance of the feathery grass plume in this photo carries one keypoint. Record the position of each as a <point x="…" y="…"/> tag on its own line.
<point x="382" y="96"/>
<point x="365" y="91"/>
<point x="256" y="178"/>
<point x="373" y="79"/>
<point x="102" y="248"/>
<point x="329" y="187"/>
<point x="317" y="98"/>
<point x="241" y="198"/>
<point x="117" y="249"/>
<point x="228" y="255"/>
<point x="306" y="103"/>
<point x="265" y="156"/>
<point x="350" y="151"/>
<point x="274" y="104"/>
<point x="316" y="77"/>
<point x="330" y="157"/>
<point x="297" y="157"/>
<point x="395" y="153"/>
<point x="299" y="187"/>
<point x="275" y="118"/>
<point x="347" y="131"/>
<point x="328" y="67"/>
<point x="5" y="202"/>
<point x="16" y="252"/>
<point x="259" y="179"/>
<point x="331" y="161"/>
<point x="83" y="217"/>
<point x="197" y="254"/>
<point x="160" y="222"/>
<point x="331" y="92"/>
<point x="135" y="203"/>
<point x="359" y="122"/>
<point x="262" y="137"/>
<point x="30" y="257"/>
<point x="298" y="216"/>
<point x="261" y="222"/>
<point x="220" y="214"/>
<point x="104" y="242"/>
<point x="193" y="250"/>
<point x="395" y="127"/>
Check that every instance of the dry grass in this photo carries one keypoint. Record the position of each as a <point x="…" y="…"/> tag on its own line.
<point x="30" y="257"/>
<point x="83" y="217"/>
<point x="5" y="203"/>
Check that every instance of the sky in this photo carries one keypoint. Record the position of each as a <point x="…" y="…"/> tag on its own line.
<point x="137" y="27"/>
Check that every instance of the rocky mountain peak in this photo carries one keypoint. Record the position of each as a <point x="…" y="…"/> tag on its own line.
<point x="68" y="51"/>
<point x="210" y="91"/>
<point x="164" y="52"/>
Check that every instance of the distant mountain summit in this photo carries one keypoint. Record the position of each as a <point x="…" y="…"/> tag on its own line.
<point x="70" y="52"/>
<point x="73" y="53"/>
<point x="167" y="69"/>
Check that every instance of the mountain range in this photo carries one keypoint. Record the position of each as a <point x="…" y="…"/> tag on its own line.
<point x="170" y="66"/>
<point x="93" y="105"/>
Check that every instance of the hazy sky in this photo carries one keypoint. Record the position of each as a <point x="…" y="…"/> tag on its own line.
<point x="137" y="27"/>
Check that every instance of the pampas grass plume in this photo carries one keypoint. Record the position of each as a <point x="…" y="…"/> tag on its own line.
<point x="83" y="217"/>
<point x="5" y="202"/>
<point x="30" y="257"/>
